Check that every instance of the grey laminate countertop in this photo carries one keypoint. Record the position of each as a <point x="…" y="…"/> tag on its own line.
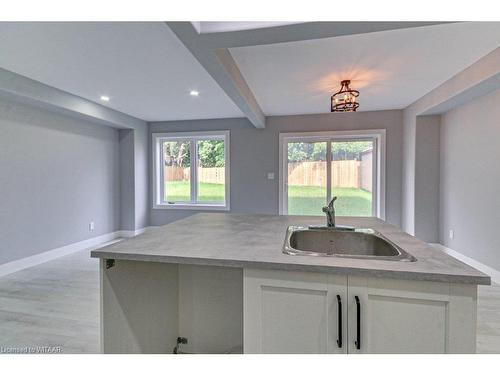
<point x="255" y="241"/>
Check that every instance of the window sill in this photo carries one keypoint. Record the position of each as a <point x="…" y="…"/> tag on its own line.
<point x="199" y="207"/>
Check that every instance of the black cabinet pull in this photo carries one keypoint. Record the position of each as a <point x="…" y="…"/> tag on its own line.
<point x="339" y="304"/>
<point x="358" y="322"/>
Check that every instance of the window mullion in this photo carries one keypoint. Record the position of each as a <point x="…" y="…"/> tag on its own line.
<point x="194" y="170"/>
<point x="375" y="177"/>
<point x="285" y="178"/>
<point x="328" y="171"/>
<point x="161" y="169"/>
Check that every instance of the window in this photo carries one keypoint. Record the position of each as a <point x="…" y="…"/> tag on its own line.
<point x="191" y="170"/>
<point x="314" y="167"/>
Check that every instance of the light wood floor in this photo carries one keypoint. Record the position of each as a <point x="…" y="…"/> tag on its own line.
<point x="53" y="304"/>
<point x="57" y="304"/>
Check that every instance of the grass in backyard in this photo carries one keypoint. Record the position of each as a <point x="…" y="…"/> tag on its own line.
<point x="179" y="191"/>
<point x="302" y="200"/>
<point x="308" y="200"/>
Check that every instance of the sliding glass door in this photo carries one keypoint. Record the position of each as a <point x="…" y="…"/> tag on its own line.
<point x="315" y="169"/>
<point x="306" y="177"/>
<point x="352" y="166"/>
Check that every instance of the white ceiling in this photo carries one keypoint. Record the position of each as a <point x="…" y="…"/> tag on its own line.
<point x="148" y="73"/>
<point x="206" y="27"/>
<point x="391" y="69"/>
<point x="145" y="70"/>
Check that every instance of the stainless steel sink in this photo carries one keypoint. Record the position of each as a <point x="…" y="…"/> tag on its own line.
<point x="342" y="243"/>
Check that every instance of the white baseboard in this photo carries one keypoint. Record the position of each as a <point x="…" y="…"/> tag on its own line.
<point x="131" y="233"/>
<point x="20" y="264"/>
<point x="491" y="272"/>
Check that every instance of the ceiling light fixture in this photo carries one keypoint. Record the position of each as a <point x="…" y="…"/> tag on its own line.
<point x="105" y="98"/>
<point x="194" y="93"/>
<point x="344" y="100"/>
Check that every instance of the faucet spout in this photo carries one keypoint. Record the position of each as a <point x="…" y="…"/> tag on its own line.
<point x="330" y="213"/>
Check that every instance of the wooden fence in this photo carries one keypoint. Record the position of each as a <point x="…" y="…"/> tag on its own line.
<point x="177" y="173"/>
<point x="210" y="175"/>
<point x="345" y="173"/>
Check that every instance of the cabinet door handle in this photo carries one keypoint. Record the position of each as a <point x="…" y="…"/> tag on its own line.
<point x="339" y="304"/>
<point x="358" y="323"/>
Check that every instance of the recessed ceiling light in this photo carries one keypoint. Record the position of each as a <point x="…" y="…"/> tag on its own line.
<point x="194" y="93"/>
<point x="105" y="98"/>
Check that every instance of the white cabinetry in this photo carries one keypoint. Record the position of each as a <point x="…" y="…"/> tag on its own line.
<point x="295" y="312"/>
<point x="401" y="316"/>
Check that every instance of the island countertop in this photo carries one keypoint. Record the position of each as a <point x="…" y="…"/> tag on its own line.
<point x="256" y="241"/>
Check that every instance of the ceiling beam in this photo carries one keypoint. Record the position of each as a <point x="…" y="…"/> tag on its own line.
<point x="29" y="91"/>
<point x="300" y="32"/>
<point x="212" y="51"/>
<point x="245" y="97"/>
<point x="477" y="80"/>
<point x="223" y="69"/>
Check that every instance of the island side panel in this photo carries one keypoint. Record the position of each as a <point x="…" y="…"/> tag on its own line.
<point x="139" y="307"/>
<point x="463" y="318"/>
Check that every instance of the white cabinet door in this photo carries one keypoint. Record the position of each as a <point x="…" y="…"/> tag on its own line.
<point x="294" y="312"/>
<point x="399" y="316"/>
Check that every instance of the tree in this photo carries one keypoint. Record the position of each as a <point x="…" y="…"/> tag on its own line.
<point x="302" y="151"/>
<point x="176" y="154"/>
<point x="350" y="150"/>
<point x="210" y="154"/>
<point x="316" y="151"/>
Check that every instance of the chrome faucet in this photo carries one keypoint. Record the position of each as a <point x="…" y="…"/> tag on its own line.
<point x="330" y="213"/>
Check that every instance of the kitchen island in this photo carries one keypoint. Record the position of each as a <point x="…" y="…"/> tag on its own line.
<point x="223" y="282"/>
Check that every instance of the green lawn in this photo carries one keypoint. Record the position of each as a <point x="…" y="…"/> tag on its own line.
<point x="303" y="200"/>
<point x="308" y="200"/>
<point x="179" y="191"/>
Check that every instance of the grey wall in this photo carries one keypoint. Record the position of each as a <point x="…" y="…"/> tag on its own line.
<point x="141" y="176"/>
<point x="470" y="179"/>
<point x="427" y="178"/>
<point x="408" y="174"/>
<point x="480" y="78"/>
<point x="127" y="180"/>
<point x="254" y="152"/>
<point x="134" y="187"/>
<point x="57" y="173"/>
<point x="133" y="148"/>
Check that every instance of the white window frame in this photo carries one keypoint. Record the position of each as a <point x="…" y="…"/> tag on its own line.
<point x="379" y="181"/>
<point x="158" y="178"/>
